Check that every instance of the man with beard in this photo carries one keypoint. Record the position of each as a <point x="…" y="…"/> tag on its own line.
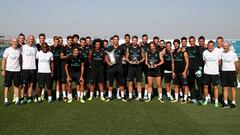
<point x="125" y="65"/>
<point x="135" y="57"/>
<point x="194" y="66"/>
<point x="115" y="67"/>
<point x="57" y="77"/>
<point x="144" y="44"/>
<point x="65" y="53"/>
<point x="28" y="52"/>
<point x="180" y="68"/>
<point x="83" y="51"/>
<point x="96" y="60"/>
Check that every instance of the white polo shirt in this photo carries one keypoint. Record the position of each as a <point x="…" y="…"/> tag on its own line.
<point x="28" y="56"/>
<point x="44" y="60"/>
<point x="211" y="66"/>
<point x="12" y="59"/>
<point x="228" y="61"/>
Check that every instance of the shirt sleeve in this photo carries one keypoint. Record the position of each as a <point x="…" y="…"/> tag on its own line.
<point x="235" y="58"/>
<point x="37" y="55"/>
<point x="5" y="54"/>
<point x="51" y="57"/>
<point x="204" y="53"/>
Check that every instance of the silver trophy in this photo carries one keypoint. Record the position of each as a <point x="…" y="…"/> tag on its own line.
<point x="111" y="57"/>
<point x="134" y="60"/>
<point x="152" y="65"/>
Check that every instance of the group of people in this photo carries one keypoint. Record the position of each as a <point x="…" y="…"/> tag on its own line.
<point x="94" y="66"/>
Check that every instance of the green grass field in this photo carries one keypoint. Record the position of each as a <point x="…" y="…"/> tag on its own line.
<point x="117" y="118"/>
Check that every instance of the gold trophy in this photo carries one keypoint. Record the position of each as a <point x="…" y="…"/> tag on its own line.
<point x="111" y="57"/>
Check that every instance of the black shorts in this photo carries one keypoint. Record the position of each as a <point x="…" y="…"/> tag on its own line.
<point x="12" y="76"/>
<point x="144" y="70"/>
<point x="86" y="75"/>
<point x="228" y="79"/>
<point x="179" y="80"/>
<point x="75" y="76"/>
<point x="29" y="76"/>
<point x="211" y="79"/>
<point x="153" y="72"/>
<point x="57" y="75"/>
<point x="64" y="75"/>
<point x="135" y="72"/>
<point x="44" y="79"/>
<point x="97" y="75"/>
<point x="167" y="77"/>
<point x="115" y="72"/>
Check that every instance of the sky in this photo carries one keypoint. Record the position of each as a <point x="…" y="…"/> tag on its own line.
<point x="167" y="19"/>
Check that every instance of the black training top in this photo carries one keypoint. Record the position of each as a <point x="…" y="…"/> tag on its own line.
<point x="74" y="63"/>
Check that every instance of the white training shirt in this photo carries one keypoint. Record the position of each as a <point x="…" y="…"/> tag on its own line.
<point x="228" y="60"/>
<point x="44" y="60"/>
<point x="28" y="56"/>
<point x="211" y="66"/>
<point x="12" y="59"/>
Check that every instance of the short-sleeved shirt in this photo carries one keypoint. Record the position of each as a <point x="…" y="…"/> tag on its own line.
<point x="56" y="55"/>
<point x="44" y="60"/>
<point x="228" y="61"/>
<point x="211" y="59"/>
<point x="12" y="59"/>
<point x="74" y="63"/>
<point x="28" y="56"/>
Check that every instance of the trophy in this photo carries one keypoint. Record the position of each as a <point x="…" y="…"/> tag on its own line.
<point x="152" y="65"/>
<point x="134" y="60"/>
<point x="111" y="57"/>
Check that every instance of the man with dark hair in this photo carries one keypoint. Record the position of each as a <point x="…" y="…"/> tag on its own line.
<point x="74" y="69"/>
<point x="194" y="66"/>
<point x="65" y="53"/>
<point x="96" y="60"/>
<point x="105" y="44"/>
<point x="115" y="67"/>
<point x="88" y="42"/>
<point x="42" y="39"/>
<point x="156" y="41"/>
<point x="21" y="39"/>
<point x="75" y="40"/>
<point x="202" y="48"/>
<point x="135" y="58"/>
<point x="125" y="45"/>
<point x="183" y="43"/>
<point x="144" y="44"/>
<point x="83" y="51"/>
<point x="180" y="68"/>
<point x="45" y="71"/>
<point x="57" y="77"/>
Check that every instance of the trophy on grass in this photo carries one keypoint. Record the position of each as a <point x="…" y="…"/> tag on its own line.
<point x="111" y="56"/>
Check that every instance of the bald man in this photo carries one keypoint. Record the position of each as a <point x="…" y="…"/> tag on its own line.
<point x="11" y="70"/>
<point x="28" y="52"/>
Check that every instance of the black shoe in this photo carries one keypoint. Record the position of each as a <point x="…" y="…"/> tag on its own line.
<point x="126" y="99"/>
<point x="225" y="105"/>
<point x="59" y="99"/>
<point x="233" y="106"/>
<point x="6" y="104"/>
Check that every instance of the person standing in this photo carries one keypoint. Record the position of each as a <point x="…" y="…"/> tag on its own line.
<point x="11" y="70"/>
